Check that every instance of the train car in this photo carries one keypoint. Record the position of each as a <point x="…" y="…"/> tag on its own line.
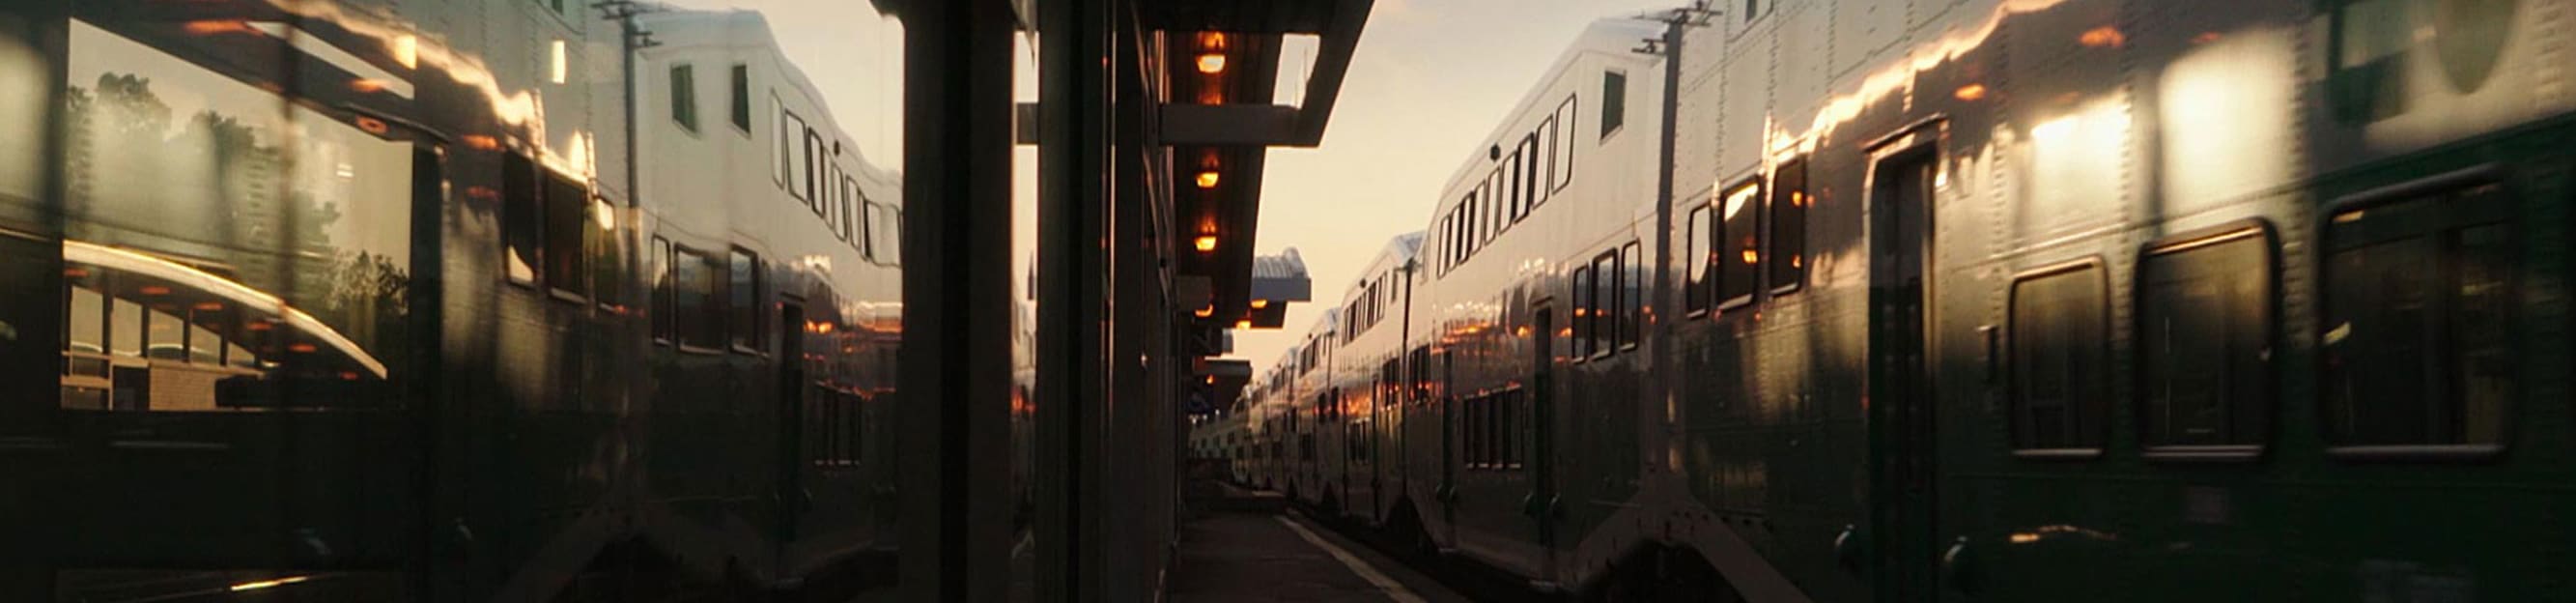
<point x="1365" y="387"/>
<point x="360" y="302"/>
<point x="2117" y="298"/>
<point x="2013" y="300"/>
<point x="1311" y="438"/>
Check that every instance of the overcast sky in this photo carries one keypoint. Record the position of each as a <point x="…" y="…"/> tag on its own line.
<point x="1431" y="78"/>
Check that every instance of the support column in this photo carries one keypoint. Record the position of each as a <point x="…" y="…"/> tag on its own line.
<point x="1074" y="159"/>
<point x="955" y="383"/>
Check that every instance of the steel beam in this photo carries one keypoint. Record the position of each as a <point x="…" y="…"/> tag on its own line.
<point x="956" y="351"/>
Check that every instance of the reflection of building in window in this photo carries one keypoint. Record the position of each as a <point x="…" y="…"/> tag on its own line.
<point x="185" y="339"/>
<point x="225" y="248"/>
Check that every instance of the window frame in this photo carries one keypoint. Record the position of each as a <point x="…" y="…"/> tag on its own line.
<point x="1724" y="252"/>
<point x="2261" y="231"/>
<point x="1799" y="196"/>
<point x="1580" y="280"/>
<point x="2013" y="330"/>
<point x="1605" y="313"/>
<point x="740" y="101"/>
<point x="1614" y="102"/>
<point x="1697" y="285"/>
<point x="753" y="340"/>
<point x="2424" y="190"/>
<point x="576" y="265"/>
<point x="683" y="83"/>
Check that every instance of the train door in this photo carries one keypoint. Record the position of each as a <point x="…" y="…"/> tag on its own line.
<point x="792" y="389"/>
<point x="1899" y="411"/>
<point x="1541" y="423"/>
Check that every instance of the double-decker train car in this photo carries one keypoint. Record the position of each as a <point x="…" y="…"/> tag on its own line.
<point x="351" y="301"/>
<point x="2016" y="300"/>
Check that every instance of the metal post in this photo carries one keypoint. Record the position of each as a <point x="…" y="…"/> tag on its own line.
<point x="1074" y="159"/>
<point x="956" y="351"/>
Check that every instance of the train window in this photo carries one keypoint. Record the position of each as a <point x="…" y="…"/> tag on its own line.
<point x="1546" y="147"/>
<point x="1581" y="284"/>
<point x="1614" y="102"/>
<point x="741" y="97"/>
<point x="2059" y="362"/>
<point x="817" y="180"/>
<point x="684" y="96"/>
<point x="1518" y="183"/>
<point x="744" y="300"/>
<point x="2204" y="338"/>
<point x="795" y="171"/>
<point x="892" y="252"/>
<point x="1563" y="163"/>
<point x="1605" y="301"/>
<point x="1506" y="429"/>
<point x="522" y="217"/>
<point x="2416" y="339"/>
<point x="1696" y="252"/>
<point x="851" y="198"/>
<point x="697" y="306"/>
<point x="1632" y="293"/>
<point x="125" y="328"/>
<point x="567" y="224"/>
<point x="1739" y="244"/>
<point x="607" y="258"/>
<point x="1788" y="235"/>
<point x="660" y="267"/>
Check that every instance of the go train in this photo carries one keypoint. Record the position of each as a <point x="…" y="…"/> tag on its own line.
<point x="358" y="302"/>
<point x="1982" y="300"/>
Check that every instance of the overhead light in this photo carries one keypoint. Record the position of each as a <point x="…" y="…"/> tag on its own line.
<point x="1207" y="242"/>
<point x="1260" y="303"/>
<point x="1204" y="311"/>
<point x="1212" y="63"/>
<point x="1243" y="324"/>
<point x="1971" y="92"/>
<point x="1208" y="179"/>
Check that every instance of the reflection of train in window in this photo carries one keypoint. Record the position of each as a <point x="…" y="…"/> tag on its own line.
<point x="337" y="288"/>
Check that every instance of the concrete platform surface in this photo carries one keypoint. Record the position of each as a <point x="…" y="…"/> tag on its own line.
<point x="1256" y="556"/>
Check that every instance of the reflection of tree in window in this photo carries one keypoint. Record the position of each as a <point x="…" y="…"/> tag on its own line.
<point x="236" y="183"/>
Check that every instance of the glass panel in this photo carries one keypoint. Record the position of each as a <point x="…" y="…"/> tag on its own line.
<point x="88" y="321"/>
<point x="1699" y="255"/>
<point x="125" y="328"/>
<point x="567" y="224"/>
<point x="2418" y="305"/>
<point x="1739" y="247"/>
<point x="2204" y="343"/>
<point x="745" y="301"/>
<point x="2058" y="371"/>
<point x="1788" y="213"/>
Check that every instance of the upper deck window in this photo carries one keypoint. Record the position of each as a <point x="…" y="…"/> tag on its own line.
<point x="1696" y="251"/>
<point x="1614" y="102"/>
<point x="684" y="96"/>
<point x="2417" y="343"/>
<point x="741" y="98"/>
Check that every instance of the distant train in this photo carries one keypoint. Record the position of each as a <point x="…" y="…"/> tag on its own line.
<point x="357" y="303"/>
<point x="2009" y="300"/>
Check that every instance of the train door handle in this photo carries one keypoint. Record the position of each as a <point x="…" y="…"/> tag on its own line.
<point x="1847" y="546"/>
<point x="1958" y="567"/>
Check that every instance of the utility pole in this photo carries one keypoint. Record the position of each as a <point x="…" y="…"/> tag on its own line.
<point x="1659" y="390"/>
<point x="631" y="39"/>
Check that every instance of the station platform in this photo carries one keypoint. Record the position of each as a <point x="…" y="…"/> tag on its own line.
<point x="1244" y="545"/>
